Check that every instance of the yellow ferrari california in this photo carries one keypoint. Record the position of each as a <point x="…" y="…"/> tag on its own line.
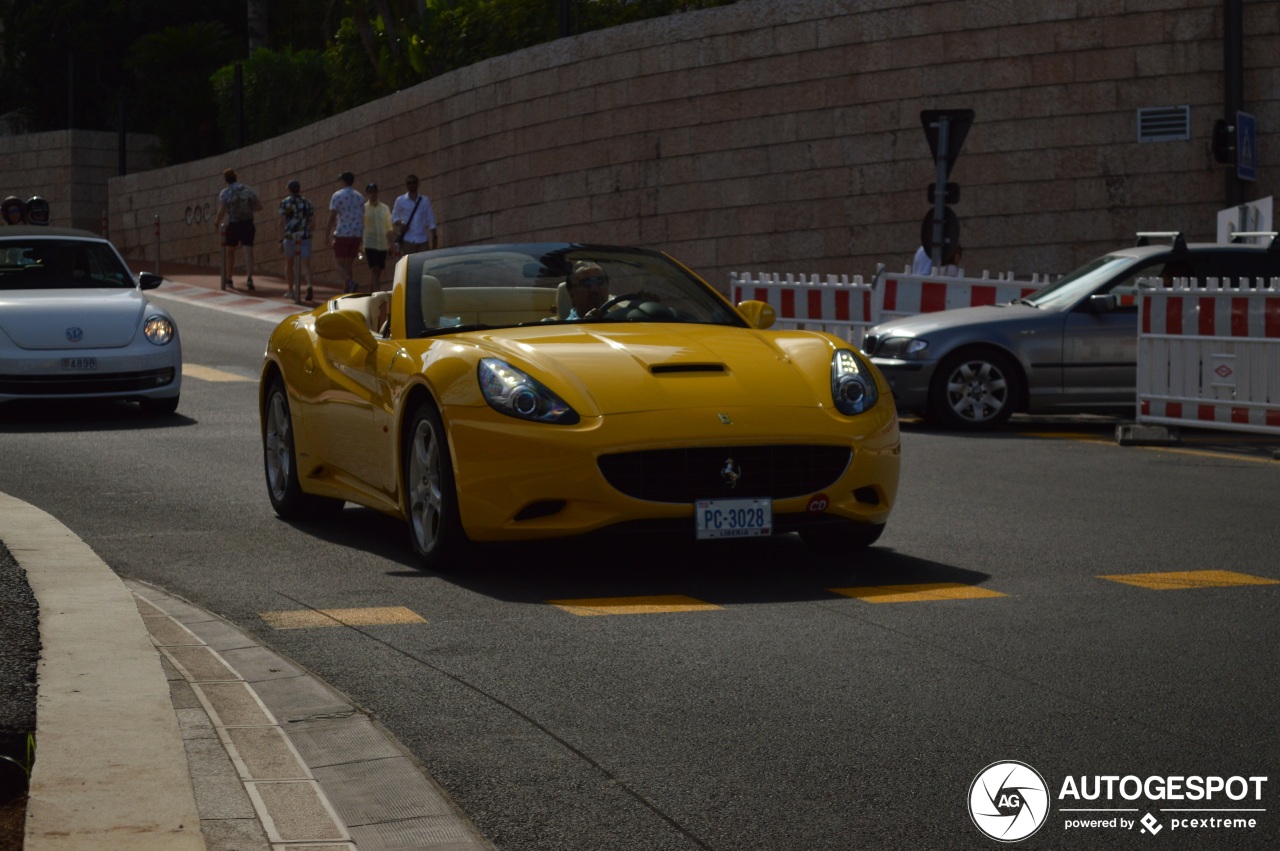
<point x="518" y="392"/>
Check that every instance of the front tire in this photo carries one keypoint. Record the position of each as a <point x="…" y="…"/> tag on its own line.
<point x="280" y="463"/>
<point x="431" y="497"/>
<point x="975" y="390"/>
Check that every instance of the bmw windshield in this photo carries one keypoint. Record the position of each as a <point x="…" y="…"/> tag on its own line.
<point x="1067" y="291"/>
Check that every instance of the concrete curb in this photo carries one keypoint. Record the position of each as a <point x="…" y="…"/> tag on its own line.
<point x="162" y="726"/>
<point x="110" y="767"/>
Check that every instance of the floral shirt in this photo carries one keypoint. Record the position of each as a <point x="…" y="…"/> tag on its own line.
<point x="297" y="212"/>
<point x="349" y="205"/>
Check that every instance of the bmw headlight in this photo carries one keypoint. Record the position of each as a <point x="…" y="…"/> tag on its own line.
<point x="158" y="330"/>
<point x="511" y="392"/>
<point x="852" y="386"/>
<point x="902" y="348"/>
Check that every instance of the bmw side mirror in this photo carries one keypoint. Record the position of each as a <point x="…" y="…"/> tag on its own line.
<point x="149" y="280"/>
<point x="1102" y="303"/>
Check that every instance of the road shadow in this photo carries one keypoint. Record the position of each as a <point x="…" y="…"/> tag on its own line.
<point x="82" y="415"/>
<point x="611" y="564"/>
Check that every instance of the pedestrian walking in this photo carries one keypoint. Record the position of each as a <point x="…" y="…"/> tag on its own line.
<point x="236" y="206"/>
<point x="378" y="236"/>
<point x="414" y="220"/>
<point x="296" y="218"/>
<point x="346" y="227"/>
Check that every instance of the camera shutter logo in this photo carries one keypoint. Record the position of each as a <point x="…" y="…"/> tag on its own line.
<point x="1008" y="801"/>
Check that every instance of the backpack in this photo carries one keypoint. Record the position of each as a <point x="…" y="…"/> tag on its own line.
<point x="240" y="203"/>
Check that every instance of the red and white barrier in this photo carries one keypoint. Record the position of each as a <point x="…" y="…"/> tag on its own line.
<point x="907" y="295"/>
<point x="848" y="307"/>
<point x="835" y="304"/>
<point x="1210" y="356"/>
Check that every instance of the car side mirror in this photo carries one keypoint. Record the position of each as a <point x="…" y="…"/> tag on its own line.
<point x="1103" y="303"/>
<point x="759" y="314"/>
<point x="343" y="325"/>
<point x="149" y="280"/>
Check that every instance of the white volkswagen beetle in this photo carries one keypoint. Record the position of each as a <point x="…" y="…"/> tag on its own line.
<point x="75" y="323"/>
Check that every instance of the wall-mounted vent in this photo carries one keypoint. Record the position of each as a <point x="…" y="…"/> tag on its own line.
<point x="1164" y="124"/>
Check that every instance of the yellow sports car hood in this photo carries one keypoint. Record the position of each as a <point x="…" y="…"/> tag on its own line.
<point x="640" y="367"/>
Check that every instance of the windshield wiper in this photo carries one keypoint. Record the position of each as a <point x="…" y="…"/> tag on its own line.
<point x="1028" y="302"/>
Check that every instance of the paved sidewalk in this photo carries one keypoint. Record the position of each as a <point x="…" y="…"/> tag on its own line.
<point x="162" y="726"/>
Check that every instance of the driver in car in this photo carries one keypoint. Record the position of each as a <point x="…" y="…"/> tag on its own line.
<point x="588" y="290"/>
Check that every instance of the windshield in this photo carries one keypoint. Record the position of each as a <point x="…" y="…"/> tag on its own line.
<point x="1065" y="292"/>
<point x="511" y="285"/>
<point x="55" y="264"/>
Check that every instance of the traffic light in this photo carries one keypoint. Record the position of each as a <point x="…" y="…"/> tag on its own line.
<point x="1224" y="142"/>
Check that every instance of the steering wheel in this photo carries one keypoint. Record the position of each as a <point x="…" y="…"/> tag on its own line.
<point x="618" y="299"/>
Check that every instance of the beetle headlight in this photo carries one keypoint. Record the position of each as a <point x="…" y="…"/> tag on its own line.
<point x="512" y="392"/>
<point x="158" y="330"/>
<point x="853" y="388"/>
<point x="902" y="348"/>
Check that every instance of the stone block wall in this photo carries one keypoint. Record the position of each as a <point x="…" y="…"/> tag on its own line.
<point x="786" y="137"/>
<point x="69" y="169"/>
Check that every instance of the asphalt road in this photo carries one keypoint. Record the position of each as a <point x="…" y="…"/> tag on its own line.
<point x="782" y="705"/>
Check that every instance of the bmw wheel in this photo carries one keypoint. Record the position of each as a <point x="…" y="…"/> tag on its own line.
<point x="435" y="528"/>
<point x="280" y="462"/>
<point x="975" y="390"/>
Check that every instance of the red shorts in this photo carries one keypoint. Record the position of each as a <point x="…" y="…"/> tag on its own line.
<point x="346" y="246"/>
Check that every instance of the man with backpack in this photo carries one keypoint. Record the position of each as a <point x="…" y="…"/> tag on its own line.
<point x="237" y="204"/>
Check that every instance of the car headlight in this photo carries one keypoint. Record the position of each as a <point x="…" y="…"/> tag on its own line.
<point x="511" y="392"/>
<point x="158" y="330"/>
<point x="901" y="348"/>
<point x="852" y="386"/>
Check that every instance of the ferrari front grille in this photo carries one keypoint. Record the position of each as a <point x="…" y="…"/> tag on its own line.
<point x="63" y="385"/>
<point x="723" y="472"/>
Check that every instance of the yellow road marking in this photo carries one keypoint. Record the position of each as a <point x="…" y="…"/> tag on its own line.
<point x="305" y="618"/>
<point x="659" y="604"/>
<point x="919" y="593"/>
<point x="1189" y="579"/>
<point x="208" y="373"/>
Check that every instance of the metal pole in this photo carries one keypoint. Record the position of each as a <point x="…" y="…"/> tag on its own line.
<point x="940" y="192"/>
<point x="157" y="244"/>
<point x="1233" y="84"/>
<point x="222" y="253"/>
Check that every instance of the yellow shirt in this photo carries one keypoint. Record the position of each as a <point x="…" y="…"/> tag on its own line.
<point x="377" y="226"/>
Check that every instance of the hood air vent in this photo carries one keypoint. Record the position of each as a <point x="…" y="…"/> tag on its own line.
<point x="671" y="368"/>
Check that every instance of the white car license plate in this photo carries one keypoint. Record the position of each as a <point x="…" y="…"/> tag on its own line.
<point x="79" y="363"/>
<point x="733" y="518"/>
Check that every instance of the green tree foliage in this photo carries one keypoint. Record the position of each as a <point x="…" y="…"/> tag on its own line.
<point x="167" y="67"/>
<point x="64" y="62"/>
<point x="283" y="90"/>
<point x="177" y="103"/>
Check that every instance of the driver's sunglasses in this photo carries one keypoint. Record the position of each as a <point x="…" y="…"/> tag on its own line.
<point x="593" y="281"/>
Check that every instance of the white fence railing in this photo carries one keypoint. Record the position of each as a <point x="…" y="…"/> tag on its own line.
<point x="1210" y="356"/>
<point x="847" y="306"/>
<point x="834" y="304"/>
